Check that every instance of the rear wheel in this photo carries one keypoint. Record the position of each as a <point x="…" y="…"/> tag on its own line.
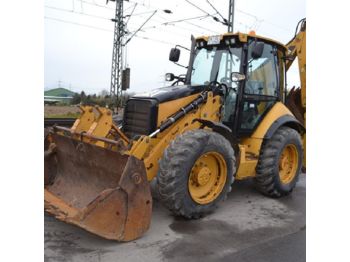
<point x="280" y="163"/>
<point x="196" y="173"/>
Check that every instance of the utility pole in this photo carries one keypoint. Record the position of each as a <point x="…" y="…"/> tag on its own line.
<point x="231" y="11"/>
<point x="120" y="76"/>
<point x="117" y="56"/>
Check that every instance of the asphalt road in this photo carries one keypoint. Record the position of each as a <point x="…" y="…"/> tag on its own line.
<point x="246" y="227"/>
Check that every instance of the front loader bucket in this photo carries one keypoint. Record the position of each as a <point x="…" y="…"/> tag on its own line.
<point x="97" y="189"/>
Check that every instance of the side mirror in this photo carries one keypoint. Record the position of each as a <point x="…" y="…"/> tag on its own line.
<point x="174" y="55"/>
<point x="169" y="77"/>
<point x="258" y="50"/>
<point x="237" y="77"/>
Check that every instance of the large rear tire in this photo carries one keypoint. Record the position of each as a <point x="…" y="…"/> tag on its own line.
<point x="196" y="173"/>
<point x="279" y="163"/>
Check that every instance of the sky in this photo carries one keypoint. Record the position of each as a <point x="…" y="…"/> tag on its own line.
<point x="79" y="37"/>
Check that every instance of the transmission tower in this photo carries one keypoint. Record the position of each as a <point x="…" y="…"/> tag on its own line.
<point x="117" y="56"/>
<point x="231" y="11"/>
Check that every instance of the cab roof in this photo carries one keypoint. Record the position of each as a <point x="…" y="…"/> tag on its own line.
<point x="244" y="38"/>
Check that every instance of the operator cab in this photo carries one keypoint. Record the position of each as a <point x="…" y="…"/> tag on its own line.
<point x="249" y="68"/>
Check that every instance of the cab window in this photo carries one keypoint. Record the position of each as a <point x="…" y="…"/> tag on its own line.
<point x="262" y="72"/>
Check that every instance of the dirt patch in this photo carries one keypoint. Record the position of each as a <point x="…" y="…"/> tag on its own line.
<point x="61" y="111"/>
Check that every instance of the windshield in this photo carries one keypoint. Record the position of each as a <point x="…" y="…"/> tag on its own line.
<point x="215" y="64"/>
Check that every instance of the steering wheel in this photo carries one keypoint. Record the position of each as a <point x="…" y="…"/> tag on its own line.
<point x="214" y="85"/>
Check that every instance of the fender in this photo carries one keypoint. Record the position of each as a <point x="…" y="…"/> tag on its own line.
<point x="220" y="128"/>
<point x="285" y="120"/>
<point x="226" y="132"/>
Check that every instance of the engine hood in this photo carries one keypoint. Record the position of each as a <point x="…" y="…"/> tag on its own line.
<point x="169" y="93"/>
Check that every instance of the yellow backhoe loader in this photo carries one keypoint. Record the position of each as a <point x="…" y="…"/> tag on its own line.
<point x="230" y="117"/>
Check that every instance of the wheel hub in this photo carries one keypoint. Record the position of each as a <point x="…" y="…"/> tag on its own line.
<point x="202" y="175"/>
<point x="288" y="164"/>
<point x="207" y="177"/>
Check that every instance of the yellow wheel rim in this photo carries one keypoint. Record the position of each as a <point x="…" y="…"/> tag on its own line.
<point x="207" y="177"/>
<point x="288" y="163"/>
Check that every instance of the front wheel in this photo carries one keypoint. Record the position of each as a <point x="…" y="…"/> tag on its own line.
<point x="279" y="163"/>
<point x="196" y="173"/>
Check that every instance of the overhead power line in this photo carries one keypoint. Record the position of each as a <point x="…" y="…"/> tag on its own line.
<point x="155" y="40"/>
<point x="256" y="24"/>
<point x="75" y="12"/>
<point x="143" y="37"/>
<point x="129" y="16"/>
<point x="79" y="24"/>
<point x="165" y="23"/>
<point x="184" y="19"/>
<point x="225" y="22"/>
<point x="205" y="29"/>
<point x="196" y="6"/>
<point x="260" y="19"/>
<point x="102" y="6"/>
<point x="127" y="41"/>
<point x="139" y="14"/>
<point x="193" y="29"/>
<point x="106" y="30"/>
<point x="174" y="22"/>
<point x="153" y="7"/>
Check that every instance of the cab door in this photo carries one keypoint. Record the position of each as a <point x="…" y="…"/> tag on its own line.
<point x="261" y="89"/>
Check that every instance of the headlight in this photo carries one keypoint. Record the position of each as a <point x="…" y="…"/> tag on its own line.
<point x="230" y="41"/>
<point x="200" y="43"/>
<point x="169" y="77"/>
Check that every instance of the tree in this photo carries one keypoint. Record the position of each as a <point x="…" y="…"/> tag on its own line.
<point x="89" y="100"/>
<point x="83" y="97"/>
<point x="104" y="93"/>
<point x="76" y="99"/>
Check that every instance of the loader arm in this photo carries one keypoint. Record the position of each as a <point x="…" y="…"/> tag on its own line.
<point x="296" y="98"/>
<point x="297" y="49"/>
